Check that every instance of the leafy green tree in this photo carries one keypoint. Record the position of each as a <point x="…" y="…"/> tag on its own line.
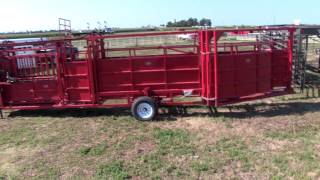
<point x="205" y="22"/>
<point x="190" y="23"/>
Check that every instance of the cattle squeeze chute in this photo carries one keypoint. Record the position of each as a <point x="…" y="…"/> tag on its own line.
<point x="206" y="69"/>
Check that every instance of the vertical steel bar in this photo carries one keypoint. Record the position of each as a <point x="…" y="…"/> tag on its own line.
<point x="91" y="57"/>
<point x="290" y="61"/>
<point x="194" y="44"/>
<point x="41" y="66"/>
<point x="30" y="68"/>
<point x="165" y="57"/>
<point x="257" y="54"/>
<point x="108" y="46"/>
<point x="198" y="52"/>
<point x="72" y="52"/>
<point x="27" y="65"/>
<point x="59" y="61"/>
<point x="209" y="59"/>
<point x="47" y="65"/>
<point x="14" y="67"/>
<point x="202" y="61"/>
<point x="208" y="73"/>
<point x="216" y="67"/>
<point x="1" y="100"/>
<point x="53" y="65"/>
<point x="305" y="62"/>
<point x="131" y="69"/>
<point x="319" y="63"/>
<point x="95" y="72"/>
<point x="37" y="67"/>
<point x="103" y="52"/>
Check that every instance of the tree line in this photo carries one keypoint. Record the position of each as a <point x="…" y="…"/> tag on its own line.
<point x="190" y="23"/>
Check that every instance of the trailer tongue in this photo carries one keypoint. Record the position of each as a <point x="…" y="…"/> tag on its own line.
<point x="208" y="67"/>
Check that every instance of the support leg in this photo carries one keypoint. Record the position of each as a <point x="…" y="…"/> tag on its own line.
<point x="213" y="110"/>
<point x="185" y="111"/>
<point x="313" y="92"/>
<point x="1" y="114"/>
<point x="319" y="63"/>
<point x="210" y="111"/>
<point x="179" y="110"/>
<point x="176" y="110"/>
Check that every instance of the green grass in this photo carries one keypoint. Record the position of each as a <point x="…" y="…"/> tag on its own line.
<point x="18" y="137"/>
<point x="113" y="170"/>
<point x="294" y="132"/>
<point x="94" y="151"/>
<point x="200" y="166"/>
<point x="152" y="162"/>
<point x="235" y="149"/>
<point x="44" y="170"/>
<point x="177" y="141"/>
<point x="97" y="144"/>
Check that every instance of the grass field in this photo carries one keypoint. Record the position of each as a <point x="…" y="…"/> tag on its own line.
<point x="277" y="138"/>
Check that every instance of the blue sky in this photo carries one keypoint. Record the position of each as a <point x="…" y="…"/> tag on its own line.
<point x="17" y="15"/>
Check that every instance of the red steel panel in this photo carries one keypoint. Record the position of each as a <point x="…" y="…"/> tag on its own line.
<point x="179" y="72"/>
<point x="77" y="81"/>
<point x="279" y="69"/>
<point x="40" y="91"/>
<point x="76" y="67"/>
<point x="244" y="74"/>
<point x="264" y="72"/>
<point x="147" y="63"/>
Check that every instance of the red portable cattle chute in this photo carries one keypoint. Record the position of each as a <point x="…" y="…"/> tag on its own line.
<point x="208" y="69"/>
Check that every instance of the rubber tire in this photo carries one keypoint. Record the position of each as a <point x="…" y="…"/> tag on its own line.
<point x="140" y="100"/>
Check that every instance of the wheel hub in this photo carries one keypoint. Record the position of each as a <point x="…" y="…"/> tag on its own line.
<point x="144" y="110"/>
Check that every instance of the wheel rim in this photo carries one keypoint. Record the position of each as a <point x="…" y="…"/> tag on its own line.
<point x="145" y="110"/>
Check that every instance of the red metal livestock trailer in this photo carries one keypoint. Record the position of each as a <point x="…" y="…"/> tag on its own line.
<point x="210" y="69"/>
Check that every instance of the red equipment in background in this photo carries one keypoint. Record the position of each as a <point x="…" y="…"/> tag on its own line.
<point x="209" y="67"/>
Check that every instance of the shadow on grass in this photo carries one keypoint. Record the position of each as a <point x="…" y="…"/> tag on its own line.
<point x="266" y="110"/>
<point x="237" y="111"/>
<point x="83" y="113"/>
<point x="78" y="113"/>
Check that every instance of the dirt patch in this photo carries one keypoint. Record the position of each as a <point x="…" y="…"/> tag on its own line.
<point x="317" y="150"/>
<point x="276" y="145"/>
<point x="273" y="145"/>
<point x="9" y="158"/>
<point x="3" y="125"/>
<point x="229" y="127"/>
<point x="201" y="124"/>
<point x="76" y="172"/>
